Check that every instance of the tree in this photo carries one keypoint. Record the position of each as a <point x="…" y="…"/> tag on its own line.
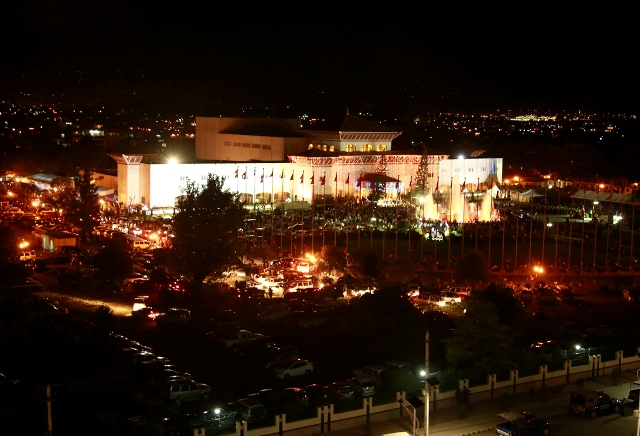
<point x="83" y="206"/>
<point x="333" y="259"/>
<point x="472" y="266"/>
<point x="264" y="253"/>
<point x="81" y="198"/>
<point x="113" y="262"/>
<point x="480" y="340"/>
<point x="422" y="175"/>
<point x="207" y="229"/>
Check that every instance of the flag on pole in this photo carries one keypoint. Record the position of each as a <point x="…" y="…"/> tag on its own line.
<point x="463" y="186"/>
<point x="244" y="175"/>
<point x="271" y="175"/>
<point x="347" y="181"/>
<point x="336" y="178"/>
<point x="438" y="183"/>
<point x="282" y="174"/>
<point x="236" y="176"/>
<point x="291" y="179"/>
<point x="262" y="178"/>
<point x="478" y="185"/>
<point x="410" y="181"/>
<point x="313" y="177"/>
<point x="323" y="179"/>
<point x="254" y="171"/>
<point x="358" y="183"/>
<point x="302" y="178"/>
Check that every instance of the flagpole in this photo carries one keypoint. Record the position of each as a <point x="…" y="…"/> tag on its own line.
<point x="302" y="216"/>
<point x="282" y="216"/>
<point x="544" y="222"/>
<point x="531" y="224"/>
<point x="293" y="173"/>
<point x="620" y="229"/>
<point x="477" y="213"/>
<point x="515" y="261"/>
<point x="262" y="214"/>
<point x="595" y="234"/>
<point x="606" y="262"/>
<point x="464" y="209"/>
<point x="450" y="206"/>
<point x="557" y="230"/>
<point x="570" y="231"/>
<point x="273" y="240"/>
<point x="335" y="212"/>
<point x="324" y="205"/>
<point x="633" y="220"/>
<point x="313" y="206"/>
<point x="582" y="245"/>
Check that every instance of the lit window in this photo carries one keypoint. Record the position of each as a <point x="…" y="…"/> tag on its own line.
<point x="381" y="147"/>
<point x="351" y="148"/>
<point x="366" y="147"/>
<point x="318" y="147"/>
<point x="310" y="146"/>
<point x="324" y="147"/>
<point x="331" y="148"/>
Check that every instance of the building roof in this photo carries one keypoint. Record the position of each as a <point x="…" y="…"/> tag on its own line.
<point x="348" y="124"/>
<point x="264" y="127"/>
<point x="44" y="178"/>
<point x="314" y="152"/>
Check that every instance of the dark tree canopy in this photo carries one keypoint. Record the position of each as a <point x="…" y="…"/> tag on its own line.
<point x="333" y="258"/>
<point x="480" y="340"/>
<point x="113" y="262"/>
<point x="206" y="229"/>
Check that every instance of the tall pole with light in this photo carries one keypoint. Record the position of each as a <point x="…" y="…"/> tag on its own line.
<point x="595" y="218"/>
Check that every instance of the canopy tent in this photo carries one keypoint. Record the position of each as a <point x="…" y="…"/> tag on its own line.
<point x="603" y="196"/>
<point x="377" y="178"/>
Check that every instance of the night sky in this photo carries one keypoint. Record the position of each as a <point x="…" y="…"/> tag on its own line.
<point x="392" y="58"/>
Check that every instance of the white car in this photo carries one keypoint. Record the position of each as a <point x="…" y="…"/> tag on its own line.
<point x="294" y="368"/>
<point x="239" y="337"/>
<point x="27" y="255"/>
<point x="449" y="298"/>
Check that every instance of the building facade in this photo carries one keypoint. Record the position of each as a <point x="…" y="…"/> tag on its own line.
<point x="275" y="160"/>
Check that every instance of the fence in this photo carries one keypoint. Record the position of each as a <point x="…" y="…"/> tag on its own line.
<point x="327" y="419"/>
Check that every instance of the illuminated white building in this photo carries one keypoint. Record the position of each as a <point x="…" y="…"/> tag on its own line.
<point x="267" y="161"/>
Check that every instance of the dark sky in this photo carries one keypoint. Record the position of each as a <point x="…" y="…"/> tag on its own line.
<point x="401" y="56"/>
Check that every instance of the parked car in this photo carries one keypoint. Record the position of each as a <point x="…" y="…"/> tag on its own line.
<point x="183" y="390"/>
<point x="363" y="386"/>
<point x="27" y="256"/>
<point x="593" y="403"/>
<point x="450" y="297"/>
<point x="521" y="424"/>
<point x="239" y="337"/>
<point x="293" y="369"/>
<point x="175" y="315"/>
<point x="278" y="356"/>
<point x="339" y="391"/>
<point x="372" y="372"/>
<point x="560" y="350"/>
<point x="249" y="410"/>
<point x="274" y="313"/>
<point x="255" y="349"/>
<point x="314" y="319"/>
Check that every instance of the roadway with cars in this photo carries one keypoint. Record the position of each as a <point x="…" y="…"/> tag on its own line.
<point x="552" y="405"/>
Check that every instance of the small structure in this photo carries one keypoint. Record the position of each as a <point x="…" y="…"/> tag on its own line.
<point x="52" y="240"/>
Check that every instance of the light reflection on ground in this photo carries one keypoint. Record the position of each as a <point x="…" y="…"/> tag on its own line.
<point x="78" y="303"/>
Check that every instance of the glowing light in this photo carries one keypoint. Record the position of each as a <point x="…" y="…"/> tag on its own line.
<point x="173" y="161"/>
